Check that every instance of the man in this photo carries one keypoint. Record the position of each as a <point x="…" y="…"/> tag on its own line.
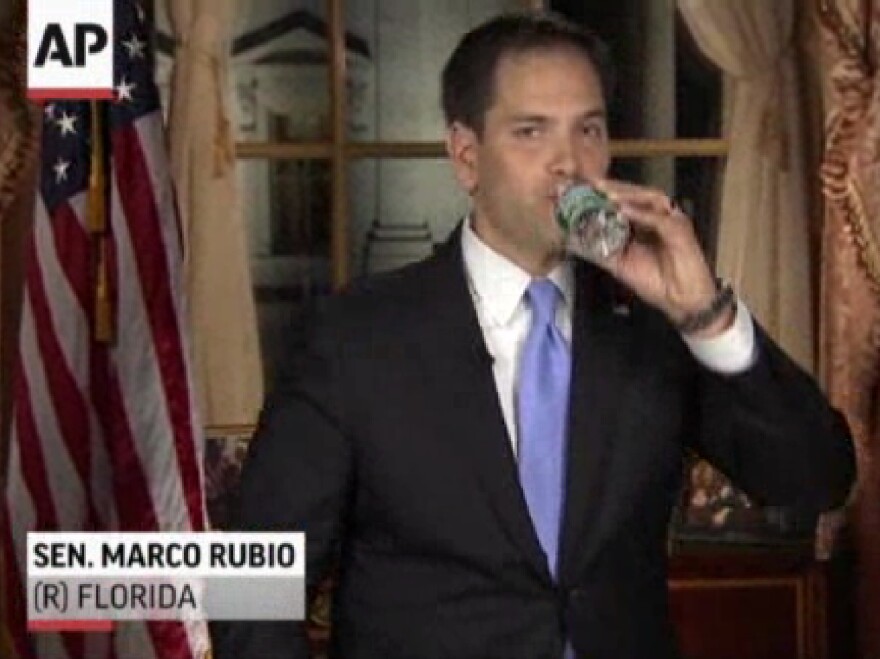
<point x="487" y="445"/>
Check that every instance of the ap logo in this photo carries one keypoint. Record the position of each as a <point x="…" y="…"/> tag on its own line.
<point x="70" y="49"/>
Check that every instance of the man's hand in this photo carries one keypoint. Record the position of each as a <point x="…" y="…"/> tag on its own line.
<point x="663" y="263"/>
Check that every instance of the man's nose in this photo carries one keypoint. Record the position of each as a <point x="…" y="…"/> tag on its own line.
<point x="564" y="163"/>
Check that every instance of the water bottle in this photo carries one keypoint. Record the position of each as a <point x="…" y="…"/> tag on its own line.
<point x="595" y="230"/>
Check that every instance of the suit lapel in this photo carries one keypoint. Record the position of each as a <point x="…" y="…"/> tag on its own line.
<point x="601" y="370"/>
<point x="459" y="365"/>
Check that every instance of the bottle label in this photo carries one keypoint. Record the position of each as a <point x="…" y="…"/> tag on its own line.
<point x="593" y="226"/>
<point x="580" y="202"/>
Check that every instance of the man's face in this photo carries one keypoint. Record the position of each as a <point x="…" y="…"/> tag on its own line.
<point x="546" y="126"/>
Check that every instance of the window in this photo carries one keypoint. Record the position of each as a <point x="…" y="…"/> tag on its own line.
<point x="340" y="130"/>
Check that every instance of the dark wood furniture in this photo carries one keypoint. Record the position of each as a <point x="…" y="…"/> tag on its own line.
<point x="752" y="603"/>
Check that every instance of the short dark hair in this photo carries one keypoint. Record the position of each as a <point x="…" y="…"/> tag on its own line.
<point x="468" y="79"/>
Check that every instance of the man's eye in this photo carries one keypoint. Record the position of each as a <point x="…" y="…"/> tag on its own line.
<point x="527" y="131"/>
<point x="594" y="130"/>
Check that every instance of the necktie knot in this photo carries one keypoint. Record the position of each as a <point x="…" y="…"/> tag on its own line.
<point x="543" y="295"/>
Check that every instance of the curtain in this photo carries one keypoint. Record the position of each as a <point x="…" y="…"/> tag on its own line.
<point x="849" y="349"/>
<point x="19" y="132"/>
<point x="225" y="341"/>
<point x="763" y="229"/>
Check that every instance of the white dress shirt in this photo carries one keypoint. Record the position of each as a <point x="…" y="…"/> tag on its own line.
<point x="497" y="287"/>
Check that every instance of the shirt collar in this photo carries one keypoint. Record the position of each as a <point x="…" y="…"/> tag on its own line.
<point x="499" y="283"/>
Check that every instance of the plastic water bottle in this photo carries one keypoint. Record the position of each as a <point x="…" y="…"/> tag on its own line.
<point x="595" y="230"/>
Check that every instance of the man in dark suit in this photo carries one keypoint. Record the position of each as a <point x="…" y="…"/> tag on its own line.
<point x="486" y="444"/>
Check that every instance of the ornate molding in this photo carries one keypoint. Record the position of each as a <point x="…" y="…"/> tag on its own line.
<point x="17" y="125"/>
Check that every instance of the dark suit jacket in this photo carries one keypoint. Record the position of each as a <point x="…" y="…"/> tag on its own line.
<point x="386" y="444"/>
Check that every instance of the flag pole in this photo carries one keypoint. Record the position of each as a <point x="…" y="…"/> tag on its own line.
<point x="97" y="221"/>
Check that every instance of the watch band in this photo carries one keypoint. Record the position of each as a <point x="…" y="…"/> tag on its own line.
<point x="699" y="320"/>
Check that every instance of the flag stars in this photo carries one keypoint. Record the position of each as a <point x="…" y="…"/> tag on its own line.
<point x="135" y="47"/>
<point x="60" y="168"/>
<point x="123" y="91"/>
<point x="65" y="123"/>
<point x="49" y="112"/>
<point x="141" y="14"/>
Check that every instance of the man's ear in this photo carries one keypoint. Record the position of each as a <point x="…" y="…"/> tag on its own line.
<point x="462" y="145"/>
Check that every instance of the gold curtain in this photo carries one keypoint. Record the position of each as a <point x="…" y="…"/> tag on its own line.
<point x="225" y="342"/>
<point x="764" y="228"/>
<point x="850" y="272"/>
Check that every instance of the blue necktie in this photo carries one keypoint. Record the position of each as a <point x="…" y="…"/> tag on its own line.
<point x="542" y="399"/>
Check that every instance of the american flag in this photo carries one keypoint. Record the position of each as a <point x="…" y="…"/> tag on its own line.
<point x="104" y="433"/>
